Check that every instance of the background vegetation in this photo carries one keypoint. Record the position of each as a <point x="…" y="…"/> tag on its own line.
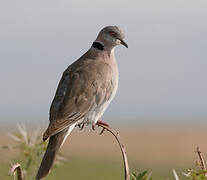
<point x="27" y="150"/>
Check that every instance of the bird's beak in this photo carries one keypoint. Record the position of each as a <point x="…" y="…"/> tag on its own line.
<point x="123" y="43"/>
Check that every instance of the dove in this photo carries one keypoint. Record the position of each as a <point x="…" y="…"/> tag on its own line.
<point x="84" y="92"/>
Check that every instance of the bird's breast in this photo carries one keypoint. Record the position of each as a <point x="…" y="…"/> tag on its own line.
<point x="96" y="113"/>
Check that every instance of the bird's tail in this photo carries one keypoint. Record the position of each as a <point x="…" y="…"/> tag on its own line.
<point x="54" y="145"/>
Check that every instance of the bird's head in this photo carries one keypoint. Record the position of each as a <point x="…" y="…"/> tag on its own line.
<point x="110" y="37"/>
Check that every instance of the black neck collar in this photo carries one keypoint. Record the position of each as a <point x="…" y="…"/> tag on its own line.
<point x="98" y="45"/>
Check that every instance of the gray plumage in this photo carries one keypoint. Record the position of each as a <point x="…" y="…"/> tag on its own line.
<point x="84" y="92"/>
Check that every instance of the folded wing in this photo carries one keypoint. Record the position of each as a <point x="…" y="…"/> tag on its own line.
<point x="80" y="90"/>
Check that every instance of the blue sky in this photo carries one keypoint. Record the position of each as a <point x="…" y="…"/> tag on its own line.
<point x="162" y="74"/>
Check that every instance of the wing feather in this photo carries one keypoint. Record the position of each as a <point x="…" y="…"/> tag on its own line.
<point x="81" y="89"/>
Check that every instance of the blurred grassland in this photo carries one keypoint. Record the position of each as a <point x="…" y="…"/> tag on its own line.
<point x="90" y="156"/>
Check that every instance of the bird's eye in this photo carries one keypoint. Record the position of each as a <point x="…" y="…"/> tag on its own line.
<point x="113" y="33"/>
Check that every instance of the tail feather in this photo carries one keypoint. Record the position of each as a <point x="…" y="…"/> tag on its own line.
<point x="49" y="157"/>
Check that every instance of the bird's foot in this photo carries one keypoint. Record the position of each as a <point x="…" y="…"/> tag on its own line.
<point x="100" y="123"/>
<point x="81" y="125"/>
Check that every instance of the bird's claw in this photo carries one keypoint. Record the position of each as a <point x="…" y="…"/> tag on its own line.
<point x="93" y="126"/>
<point x="100" y="123"/>
<point x="103" y="123"/>
<point x="81" y="126"/>
<point x="102" y="131"/>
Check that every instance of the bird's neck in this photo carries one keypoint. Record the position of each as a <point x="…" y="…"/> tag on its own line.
<point x="101" y="49"/>
<point x="98" y="45"/>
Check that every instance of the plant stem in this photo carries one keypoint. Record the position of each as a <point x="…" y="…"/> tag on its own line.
<point x="123" y="150"/>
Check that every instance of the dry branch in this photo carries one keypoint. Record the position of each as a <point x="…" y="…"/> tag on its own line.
<point x="175" y="174"/>
<point x="202" y="162"/>
<point x="17" y="168"/>
<point x="123" y="150"/>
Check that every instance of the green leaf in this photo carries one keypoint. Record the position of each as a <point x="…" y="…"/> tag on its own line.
<point x="139" y="176"/>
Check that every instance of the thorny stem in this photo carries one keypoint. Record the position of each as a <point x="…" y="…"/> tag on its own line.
<point x="17" y="168"/>
<point x="202" y="162"/>
<point x="123" y="150"/>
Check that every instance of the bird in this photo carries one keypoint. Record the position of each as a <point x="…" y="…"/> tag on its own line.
<point x="84" y="92"/>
